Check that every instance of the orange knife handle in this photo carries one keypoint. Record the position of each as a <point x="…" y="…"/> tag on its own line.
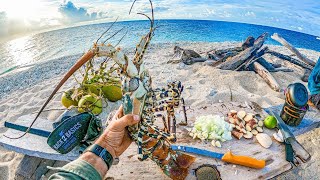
<point x="243" y="160"/>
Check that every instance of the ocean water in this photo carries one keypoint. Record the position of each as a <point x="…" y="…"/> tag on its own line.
<point x="70" y="41"/>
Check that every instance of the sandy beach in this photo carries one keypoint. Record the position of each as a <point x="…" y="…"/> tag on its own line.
<point x="24" y="90"/>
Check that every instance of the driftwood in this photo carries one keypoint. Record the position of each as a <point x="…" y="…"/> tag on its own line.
<point x="282" y="69"/>
<point x="265" y="74"/>
<point x="222" y="54"/>
<point x="183" y="55"/>
<point x="237" y="60"/>
<point x="221" y="60"/>
<point x="285" y="43"/>
<point x="265" y="64"/>
<point x="254" y="58"/>
<point x="193" y="60"/>
<point x="290" y="59"/>
<point x="249" y="56"/>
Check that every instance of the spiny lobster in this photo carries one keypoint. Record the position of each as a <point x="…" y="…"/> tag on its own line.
<point x="140" y="98"/>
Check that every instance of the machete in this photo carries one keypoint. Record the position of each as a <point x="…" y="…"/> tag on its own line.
<point x="227" y="157"/>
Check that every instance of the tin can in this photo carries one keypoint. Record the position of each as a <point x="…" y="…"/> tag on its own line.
<point x="295" y="106"/>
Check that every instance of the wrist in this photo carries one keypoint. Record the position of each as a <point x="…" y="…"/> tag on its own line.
<point x="103" y="143"/>
<point x="96" y="162"/>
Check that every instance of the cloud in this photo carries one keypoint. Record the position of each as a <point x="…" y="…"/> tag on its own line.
<point x="303" y="16"/>
<point x="72" y="14"/>
<point x="250" y="13"/>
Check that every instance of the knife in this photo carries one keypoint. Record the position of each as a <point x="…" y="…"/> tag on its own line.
<point x="293" y="147"/>
<point x="227" y="157"/>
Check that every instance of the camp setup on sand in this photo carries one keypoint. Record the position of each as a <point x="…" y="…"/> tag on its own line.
<point x="222" y="140"/>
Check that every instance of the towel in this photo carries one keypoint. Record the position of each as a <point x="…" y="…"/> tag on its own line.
<point x="314" y="79"/>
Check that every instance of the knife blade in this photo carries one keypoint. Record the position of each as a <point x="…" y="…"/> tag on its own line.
<point x="227" y="157"/>
<point x="291" y="142"/>
<point x="283" y="127"/>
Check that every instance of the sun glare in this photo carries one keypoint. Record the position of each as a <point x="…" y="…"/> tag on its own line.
<point x="17" y="9"/>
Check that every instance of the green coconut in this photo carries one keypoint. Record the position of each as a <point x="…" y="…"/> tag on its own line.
<point x="90" y="103"/>
<point x="66" y="99"/>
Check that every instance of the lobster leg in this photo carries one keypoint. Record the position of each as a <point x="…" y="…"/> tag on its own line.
<point x="141" y="156"/>
<point x="161" y="133"/>
<point x="184" y="114"/>
<point x="165" y="129"/>
<point x="174" y="125"/>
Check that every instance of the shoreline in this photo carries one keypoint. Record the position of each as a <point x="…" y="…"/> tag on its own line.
<point x="24" y="91"/>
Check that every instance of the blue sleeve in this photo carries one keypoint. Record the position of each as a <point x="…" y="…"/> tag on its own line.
<point x="314" y="79"/>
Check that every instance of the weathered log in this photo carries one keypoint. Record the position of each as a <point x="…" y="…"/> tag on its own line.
<point x="285" y="43"/>
<point x="181" y="54"/>
<point x="265" y="74"/>
<point x="248" y="43"/>
<point x="266" y="64"/>
<point x="221" y="53"/>
<point x="277" y="65"/>
<point x="290" y="59"/>
<point x="239" y="59"/>
<point x="281" y="69"/>
<point x="193" y="60"/>
<point x="255" y="57"/>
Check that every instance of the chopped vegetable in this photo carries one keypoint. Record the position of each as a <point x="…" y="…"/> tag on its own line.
<point x="211" y="127"/>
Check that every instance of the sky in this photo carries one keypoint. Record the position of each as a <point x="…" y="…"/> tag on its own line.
<point x="27" y="16"/>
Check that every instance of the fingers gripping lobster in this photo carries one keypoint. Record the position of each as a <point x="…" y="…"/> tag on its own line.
<point x="140" y="98"/>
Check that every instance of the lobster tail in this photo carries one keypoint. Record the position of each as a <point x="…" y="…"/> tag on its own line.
<point x="178" y="165"/>
<point x="174" y="164"/>
<point x="184" y="160"/>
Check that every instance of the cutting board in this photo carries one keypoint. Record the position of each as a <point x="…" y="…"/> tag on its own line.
<point x="131" y="167"/>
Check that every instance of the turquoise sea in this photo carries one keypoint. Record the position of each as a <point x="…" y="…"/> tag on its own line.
<point x="70" y="41"/>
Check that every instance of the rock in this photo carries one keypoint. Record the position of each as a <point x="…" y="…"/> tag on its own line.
<point x="182" y="55"/>
<point x="212" y="92"/>
<point x="181" y="66"/>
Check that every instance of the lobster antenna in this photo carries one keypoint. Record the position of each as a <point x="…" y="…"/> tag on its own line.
<point x="146" y="16"/>
<point x="152" y="13"/>
<point x="107" y="30"/>
<point x="113" y="35"/>
<point x="121" y="38"/>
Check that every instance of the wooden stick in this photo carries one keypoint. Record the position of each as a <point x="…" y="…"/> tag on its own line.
<point x="265" y="74"/>
<point x="285" y="43"/>
<point x="281" y="69"/>
<point x="254" y="58"/>
<point x="193" y="60"/>
<point x="290" y="59"/>
<point x="212" y="54"/>
<point x="239" y="59"/>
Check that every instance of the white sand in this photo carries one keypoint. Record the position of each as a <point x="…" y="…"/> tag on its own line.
<point x="24" y="91"/>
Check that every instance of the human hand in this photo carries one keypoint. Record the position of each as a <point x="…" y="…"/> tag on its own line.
<point x="116" y="138"/>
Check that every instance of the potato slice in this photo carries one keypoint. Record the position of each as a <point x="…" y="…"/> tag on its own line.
<point x="248" y="135"/>
<point x="241" y="114"/>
